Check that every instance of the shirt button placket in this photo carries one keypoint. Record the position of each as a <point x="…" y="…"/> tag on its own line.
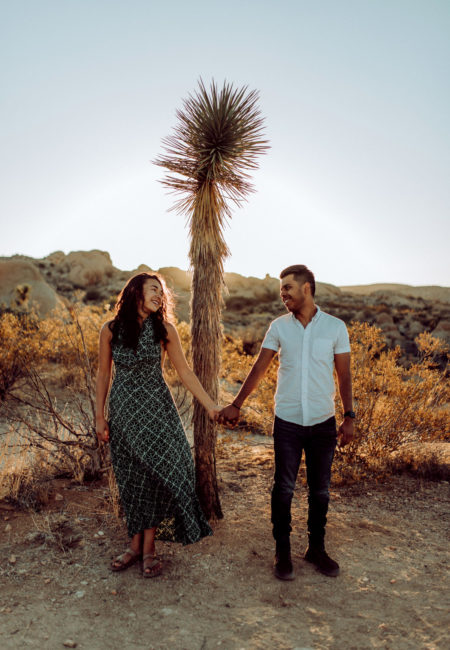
<point x="305" y="370"/>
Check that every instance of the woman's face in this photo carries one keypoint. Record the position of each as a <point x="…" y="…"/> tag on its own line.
<point x="152" y="295"/>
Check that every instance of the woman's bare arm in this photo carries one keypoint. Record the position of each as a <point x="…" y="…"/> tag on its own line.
<point x="103" y="381"/>
<point x="186" y="374"/>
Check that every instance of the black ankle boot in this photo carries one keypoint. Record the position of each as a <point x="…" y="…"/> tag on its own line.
<point x="282" y="568"/>
<point x="323" y="562"/>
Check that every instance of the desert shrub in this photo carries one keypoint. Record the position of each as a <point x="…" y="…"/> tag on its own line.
<point x="64" y="339"/>
<point x="54" y="420"/>
<point x="395" y="405"/>
<point x="70" y="336"/>
<point x="20" y="347"/>
<point x="55" y="530"/>
<point x="23" y="483"/>
<point x="24" y="490"/>
<point x="92" y="295"/>
<point x="58" y="433"/>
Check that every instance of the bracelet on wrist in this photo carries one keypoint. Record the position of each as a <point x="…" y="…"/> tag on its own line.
<point x="236" y="406"/>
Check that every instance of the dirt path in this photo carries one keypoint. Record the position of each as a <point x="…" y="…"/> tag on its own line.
<point x="390" y="541"/>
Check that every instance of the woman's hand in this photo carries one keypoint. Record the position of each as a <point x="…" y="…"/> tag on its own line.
<point x="102" y="429"/>
<point x="214" y="412"/>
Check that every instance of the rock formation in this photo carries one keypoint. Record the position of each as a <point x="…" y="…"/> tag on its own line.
<point x="22" y="287"/>
<point x="87" y="269"/>
<point x="402" y="312"/>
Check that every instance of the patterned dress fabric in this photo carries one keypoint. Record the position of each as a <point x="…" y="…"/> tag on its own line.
<point x="151" y="456"/>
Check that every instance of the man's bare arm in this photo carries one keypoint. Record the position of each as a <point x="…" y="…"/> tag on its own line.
<point x="342" y="365"/>
<point x="231" y="412"/>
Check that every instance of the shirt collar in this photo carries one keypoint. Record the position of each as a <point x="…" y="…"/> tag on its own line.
<point x="317" y="314"/>
<point x="313" y="319"/>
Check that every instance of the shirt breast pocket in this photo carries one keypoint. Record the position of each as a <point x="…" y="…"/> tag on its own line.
<point x="322" y="350"/>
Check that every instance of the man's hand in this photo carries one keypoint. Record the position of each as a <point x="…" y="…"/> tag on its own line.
<point x="229" y="415"/>
<point x="346" y="432"/>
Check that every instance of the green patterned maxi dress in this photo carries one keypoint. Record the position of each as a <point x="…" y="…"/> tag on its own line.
<point x="150" y="453"/>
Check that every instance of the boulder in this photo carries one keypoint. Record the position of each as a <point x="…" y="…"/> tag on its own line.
<point x="414" y="328"/>
<point x="327" y="290"/>
<point x="268" y="288"/>
<point x="384" y="321"/>
<point x="176" y="278"/>
<point x="393" y="338"/>
<point x="142" y="268"/>
<point x="395" y="300"/>
<point x="442" y="330"/>
<point x="22" y="287"/>
<point x="252" y="290"/>
<point x="87" y="268"/>
<point x="56" y="258"/>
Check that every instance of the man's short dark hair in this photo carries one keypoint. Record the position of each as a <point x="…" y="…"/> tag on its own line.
<point x="302" y="274"/>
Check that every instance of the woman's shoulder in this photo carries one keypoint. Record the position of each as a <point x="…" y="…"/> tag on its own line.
<point x="107" y="330"/>
<point x="170" y="327"/>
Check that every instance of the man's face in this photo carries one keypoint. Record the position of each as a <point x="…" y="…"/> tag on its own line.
<point x="292" y="293"/>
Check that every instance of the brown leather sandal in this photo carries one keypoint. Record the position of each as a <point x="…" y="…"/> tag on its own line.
<point x="120" y="564"/>
<point x="153" y="568"/>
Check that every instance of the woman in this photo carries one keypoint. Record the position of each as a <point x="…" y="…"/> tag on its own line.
<point x="150" y="454"/>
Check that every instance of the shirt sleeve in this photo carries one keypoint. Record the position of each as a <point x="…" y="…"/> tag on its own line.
<point x="342" y="343"/>
<point x="271" y="340"/>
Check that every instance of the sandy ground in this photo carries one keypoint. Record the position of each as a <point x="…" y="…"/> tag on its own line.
<point x="389" y="539"/>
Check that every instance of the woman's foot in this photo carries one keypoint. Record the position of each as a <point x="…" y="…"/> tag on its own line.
<point x="151" y="565"/>
<point x="127" y="559"/>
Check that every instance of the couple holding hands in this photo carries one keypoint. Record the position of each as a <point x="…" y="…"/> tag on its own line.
<point x="150" y="454"/>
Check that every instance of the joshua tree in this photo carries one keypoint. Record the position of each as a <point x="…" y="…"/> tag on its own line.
<point x="216" y="141"/>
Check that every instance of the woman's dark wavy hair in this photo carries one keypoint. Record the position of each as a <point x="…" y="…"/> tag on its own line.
<point x="125" y="325"/>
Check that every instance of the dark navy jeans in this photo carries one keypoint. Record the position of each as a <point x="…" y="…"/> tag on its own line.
<point x="319" y="443"/>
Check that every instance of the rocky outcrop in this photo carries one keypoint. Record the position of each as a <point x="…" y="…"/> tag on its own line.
<point x="176" y="279"/>
<point x="427" y="293"/>
<point x="442" y="330"/>
<point x="22" y="287"/>
<point x="242" y="292"/>
<point x="250" y="303"/>
<point x="86" y="269"/>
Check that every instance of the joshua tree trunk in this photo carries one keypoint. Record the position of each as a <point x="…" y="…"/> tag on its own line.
<point x="207" y="254"/>
<point x="216" y="143"/>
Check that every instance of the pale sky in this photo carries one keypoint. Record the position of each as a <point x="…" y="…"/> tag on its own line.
<point x="356" y="96"/>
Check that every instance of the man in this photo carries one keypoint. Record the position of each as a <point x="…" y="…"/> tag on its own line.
<point x="311" y="343"/>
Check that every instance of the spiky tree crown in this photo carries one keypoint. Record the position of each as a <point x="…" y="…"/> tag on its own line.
<point x="216" y="141"/>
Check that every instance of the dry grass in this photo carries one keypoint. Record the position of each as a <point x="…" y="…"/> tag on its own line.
<point x="113" y="495"/>
<point x="55" y="530"/>
<point x="48" y="426"/>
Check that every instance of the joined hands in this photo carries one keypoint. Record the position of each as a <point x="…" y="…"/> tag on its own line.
<point x="229" y="415"/>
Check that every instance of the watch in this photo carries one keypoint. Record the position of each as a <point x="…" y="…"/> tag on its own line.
<point x="349" y="414"/>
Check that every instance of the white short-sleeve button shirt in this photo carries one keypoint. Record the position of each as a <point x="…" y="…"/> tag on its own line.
<point x="306" y="389"/>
